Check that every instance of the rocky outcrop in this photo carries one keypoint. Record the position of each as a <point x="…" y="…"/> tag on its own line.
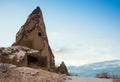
<point x="26" y="74"/>
<point x="62" y="69"/>
<point x="33" y="35"/>
<point x="21" y="56"/>
<point x="31" y="48"/>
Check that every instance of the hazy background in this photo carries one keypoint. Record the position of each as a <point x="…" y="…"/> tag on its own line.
<point x="79" y="31"/>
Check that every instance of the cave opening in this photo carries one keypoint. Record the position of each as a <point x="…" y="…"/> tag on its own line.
<point x="34" y="62"/>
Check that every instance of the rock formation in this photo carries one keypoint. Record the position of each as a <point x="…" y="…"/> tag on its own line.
<point x="33" y="35"/>
<point x="62" y="69"/>
<point x="31" y="48"/>
<point x="19" y="55"/>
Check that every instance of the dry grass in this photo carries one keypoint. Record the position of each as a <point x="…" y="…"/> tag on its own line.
<point x="116" y="80"/>
<point x="103" y="75"/>
<point x="114" y="77"/>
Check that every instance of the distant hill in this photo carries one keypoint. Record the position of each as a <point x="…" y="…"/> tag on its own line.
<point x="90" y="70"/>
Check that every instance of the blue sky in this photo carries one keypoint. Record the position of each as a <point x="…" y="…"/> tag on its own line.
<point x="79" y="31"/>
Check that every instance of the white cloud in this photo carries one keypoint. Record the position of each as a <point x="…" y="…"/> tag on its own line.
<point x="61" y="51"/>
<point x="109" y="57"/>
<point x="81" y="54"/>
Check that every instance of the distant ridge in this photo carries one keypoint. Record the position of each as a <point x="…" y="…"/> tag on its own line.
<point x="90" y="70"/>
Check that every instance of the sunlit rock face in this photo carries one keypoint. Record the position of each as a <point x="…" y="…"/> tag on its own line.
<point x="33" y="35"/>
<point x="31" y="48"/>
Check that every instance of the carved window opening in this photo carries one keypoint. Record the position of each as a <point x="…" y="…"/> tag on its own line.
<point x="32" y="60"/>
<point x="39" y="34"/>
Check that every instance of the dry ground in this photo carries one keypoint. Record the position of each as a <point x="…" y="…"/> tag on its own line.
<point x="78" y="79"/>
<point x="25" y="74"/>
<point x="116" y="80"/>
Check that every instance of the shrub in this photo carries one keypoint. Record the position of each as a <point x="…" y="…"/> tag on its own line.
<point x="116" y="80"/>
<point x="114" y="77"/>
<point x="103" y="75"/>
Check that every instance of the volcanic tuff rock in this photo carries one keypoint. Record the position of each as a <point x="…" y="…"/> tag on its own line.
<point x="19" y="55"/>
<point x="33" y="35"/>
<point x="31" y="48"/>
<point x="62" y="69"/>
<point x="26" y="74"/>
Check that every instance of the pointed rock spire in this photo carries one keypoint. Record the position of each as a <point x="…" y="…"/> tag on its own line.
<point x="36" y="11"/>
<point x="62" y="69"/>
<point x="33" y="35"/>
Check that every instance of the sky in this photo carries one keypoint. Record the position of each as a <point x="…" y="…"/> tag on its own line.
<point x="79" y="31"/>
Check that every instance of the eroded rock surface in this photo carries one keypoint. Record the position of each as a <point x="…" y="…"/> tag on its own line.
<point x="31" y="48"/>
<point x="26" y="74"/>
<point x="33" y="35"/>
<point x="20" y="56"/>
<point x="62" y="69"/>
